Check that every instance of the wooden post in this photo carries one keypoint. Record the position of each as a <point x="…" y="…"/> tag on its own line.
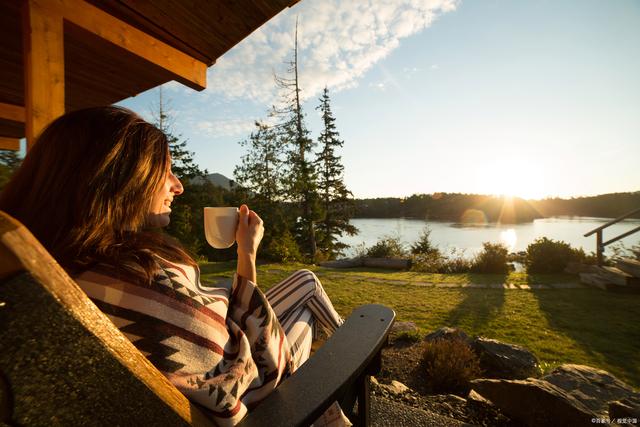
<point x="599" y="247"/>
<point x="43" y="46"/>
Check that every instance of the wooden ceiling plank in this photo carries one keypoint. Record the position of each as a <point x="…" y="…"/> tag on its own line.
<point x="43" y="44"/>
<point x="186" y="69"/>
<point x="12" y="112"/>
<point x="9" y="143"/>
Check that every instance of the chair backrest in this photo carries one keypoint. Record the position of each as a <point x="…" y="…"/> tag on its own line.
<point x="62" y="361"/>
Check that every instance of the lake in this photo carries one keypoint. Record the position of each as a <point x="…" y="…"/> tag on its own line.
<point x="516" y="237"/>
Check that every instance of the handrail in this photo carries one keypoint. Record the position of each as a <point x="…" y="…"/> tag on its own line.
<point x="613" y="221"/>
<point x="600" y="245"/>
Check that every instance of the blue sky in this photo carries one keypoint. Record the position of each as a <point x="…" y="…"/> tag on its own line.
<point x="528" y="98"/>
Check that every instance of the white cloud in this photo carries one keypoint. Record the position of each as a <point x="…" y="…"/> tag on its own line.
<point x="225" y="127"/>
<point x="338" y="42"/>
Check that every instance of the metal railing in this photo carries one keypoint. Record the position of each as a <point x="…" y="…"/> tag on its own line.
<point x="600" y="244"/>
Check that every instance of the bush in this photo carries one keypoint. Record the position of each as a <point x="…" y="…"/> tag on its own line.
<point x="387" y="247"/>
<point x="435" y="262"/>
<point x="450" y="365"/>
<point x="551" y="256"/>
<point x="492" y="259"/>
<point x="282" y="249"/>
<point x="424" y="245"/>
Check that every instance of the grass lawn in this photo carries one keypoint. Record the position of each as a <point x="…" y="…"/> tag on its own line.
<point x="583" y="326"/>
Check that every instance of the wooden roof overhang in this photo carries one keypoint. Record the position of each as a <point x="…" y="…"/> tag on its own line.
<point x="62" y="55"/>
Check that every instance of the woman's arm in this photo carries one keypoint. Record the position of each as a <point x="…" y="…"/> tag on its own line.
<point x="248" y="235"/>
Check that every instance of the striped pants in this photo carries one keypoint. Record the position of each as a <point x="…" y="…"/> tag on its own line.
<point x="302" y="306"/>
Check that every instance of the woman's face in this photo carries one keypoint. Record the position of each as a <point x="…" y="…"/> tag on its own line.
<point x="161" y="203"/>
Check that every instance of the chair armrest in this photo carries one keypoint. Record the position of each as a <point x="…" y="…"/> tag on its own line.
<point x="324" y="378"/>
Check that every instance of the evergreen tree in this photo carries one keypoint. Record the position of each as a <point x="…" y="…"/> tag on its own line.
<point x="183" y="164"/>
<point x="300" y="179"/>
<point x="187" y="213"/>
<point x="260" y="178"/>
<point x="260" y="172"/>
<point x="337" y="201"/>
<point x="9" y="163"/>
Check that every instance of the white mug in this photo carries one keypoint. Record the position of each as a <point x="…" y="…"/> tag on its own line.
<point x="220" y="226"/>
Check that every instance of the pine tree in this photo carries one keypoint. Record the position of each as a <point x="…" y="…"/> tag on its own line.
<point x="260" y="172"/>
<point x="300" y="180"/>
<point x="336" y="199"/>
<point x="183" y="164"/>
<point x="10" y="161"/>
<point x="187" y="216"/>
<point x="260" y="178"/>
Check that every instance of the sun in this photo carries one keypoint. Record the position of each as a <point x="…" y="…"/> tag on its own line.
<point x="513" y="178"/>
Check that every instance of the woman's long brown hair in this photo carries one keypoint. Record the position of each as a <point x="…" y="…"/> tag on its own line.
<point x="85" y="189"/>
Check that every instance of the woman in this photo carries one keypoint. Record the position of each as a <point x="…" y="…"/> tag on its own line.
<point x="95" y="190"/>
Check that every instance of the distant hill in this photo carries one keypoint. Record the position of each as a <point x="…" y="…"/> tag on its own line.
<point x="476" y="208"/>
<point x="218" y="180"/>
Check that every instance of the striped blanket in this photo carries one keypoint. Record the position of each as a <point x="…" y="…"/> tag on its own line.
<point x="223" y="347"/>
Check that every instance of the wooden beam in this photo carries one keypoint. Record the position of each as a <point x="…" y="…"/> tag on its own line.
<point x="9" y="143"/>
<point x="187" y="70"/>
<point x="12" y="112"/>
<point x="43" y="46"/>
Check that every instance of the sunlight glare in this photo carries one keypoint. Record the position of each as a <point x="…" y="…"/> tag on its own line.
<point x="509" y="238"/>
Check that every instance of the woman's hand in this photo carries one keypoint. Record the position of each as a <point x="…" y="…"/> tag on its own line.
<point x="248" y="236"/>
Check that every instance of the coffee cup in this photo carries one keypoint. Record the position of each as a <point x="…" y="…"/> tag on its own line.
<point x="220" y="226"/>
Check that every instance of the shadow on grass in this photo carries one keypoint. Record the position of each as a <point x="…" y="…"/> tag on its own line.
<point x="477" y="308"/>
<point x="604" y="324"/>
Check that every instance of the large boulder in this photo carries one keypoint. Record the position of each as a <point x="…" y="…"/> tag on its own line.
<point x="628" y="407"/>
<point x="406" y="327"/>
<point x="534" y="402"/>
<point x="502" y="360"/>
<point x="446" y="333"/>
<point x="593" y="387"/>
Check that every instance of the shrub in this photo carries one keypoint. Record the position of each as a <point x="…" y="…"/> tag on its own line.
<point x="551" y="256"/>
<point x="492" y="259"/>
<point x="424" y="245"/>
<point x="387" y="247"/>
<point x="436" y="262"/>
<point x="449" y="365"/>
<point x="283" y="249"/>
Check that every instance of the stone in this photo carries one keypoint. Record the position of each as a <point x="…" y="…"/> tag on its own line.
<point x="534" y="402"/>
<point x="628" y="407"/>
<point x="395" y="388"/>
<point x="446" y="333"/>
<point x="502" y="360"/>
<point x="591" y="386"/>
<point x="399" y="327"/>
<point x="343" y="263"/>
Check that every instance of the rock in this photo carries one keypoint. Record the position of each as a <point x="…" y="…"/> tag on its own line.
<point x="501" y="360"/>
<point x="395" y="388"/>
<point x="591" y="386"/>
<point x="480" y="408"/>
<point x="577" y="268"/>
<point x="343" y="263"/>
<point x="534" y="402"/>
<point x="403" y="327"/>
<point x="628" y="407"/>
<point x="389" y="263"/>
<point x="446" y="333"/>
<point x="374" y="380"/>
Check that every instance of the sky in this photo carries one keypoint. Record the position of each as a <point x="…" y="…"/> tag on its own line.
<point x="525" y="98"/>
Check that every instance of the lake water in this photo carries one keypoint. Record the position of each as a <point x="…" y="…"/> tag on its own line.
<point x="516" y="237"/>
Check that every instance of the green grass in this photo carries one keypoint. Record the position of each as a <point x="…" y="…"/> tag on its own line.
<point x="583" y="326"/>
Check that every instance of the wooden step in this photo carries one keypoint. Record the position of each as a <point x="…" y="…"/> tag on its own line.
<point x="629" y="265"/>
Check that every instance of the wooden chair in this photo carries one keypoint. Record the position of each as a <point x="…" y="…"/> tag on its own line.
<point x="63" y="362"/>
